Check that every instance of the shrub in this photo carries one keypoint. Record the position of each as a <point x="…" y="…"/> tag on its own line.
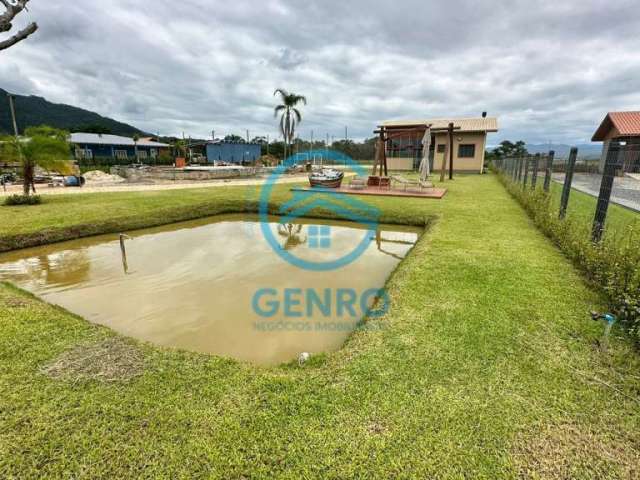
<point x="613" y="264"/>
<point x="23" y="200"/>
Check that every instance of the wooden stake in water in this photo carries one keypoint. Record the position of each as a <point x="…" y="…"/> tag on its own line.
<point x="123" y="251"/>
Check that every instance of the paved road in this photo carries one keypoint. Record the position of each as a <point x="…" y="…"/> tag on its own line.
<point x="626" y="190"/>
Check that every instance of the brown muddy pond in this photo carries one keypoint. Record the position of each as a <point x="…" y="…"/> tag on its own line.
<point x="217" y="285"/>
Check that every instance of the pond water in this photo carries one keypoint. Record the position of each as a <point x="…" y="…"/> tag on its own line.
<point x="216" y="285"/>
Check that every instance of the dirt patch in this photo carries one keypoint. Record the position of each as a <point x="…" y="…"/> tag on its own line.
<point x="111" y="360"/>
<point x="570" y="451"/>
<point x="376" y="428"/>
<point x="16" y="302"/>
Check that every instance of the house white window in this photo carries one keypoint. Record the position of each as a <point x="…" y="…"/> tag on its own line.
<point x="154" y="153"/>
<point x="121" y="154"/>
<point x="142" y="154"/>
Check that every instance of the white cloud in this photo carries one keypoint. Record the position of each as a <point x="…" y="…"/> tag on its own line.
<point x="548" y="70"/>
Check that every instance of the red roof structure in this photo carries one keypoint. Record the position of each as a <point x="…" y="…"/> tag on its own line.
<point x="627" y="124"/>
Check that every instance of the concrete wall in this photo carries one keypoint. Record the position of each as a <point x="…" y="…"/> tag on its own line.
<point x="475" y="164"/>
<point x="400" y="163"/>
<point x="169" y="173"/>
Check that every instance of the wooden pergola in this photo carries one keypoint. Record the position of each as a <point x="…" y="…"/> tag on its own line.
<point x="388" y="133"/>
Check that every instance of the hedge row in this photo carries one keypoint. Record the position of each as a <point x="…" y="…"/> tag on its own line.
<point x="613" y="264"/>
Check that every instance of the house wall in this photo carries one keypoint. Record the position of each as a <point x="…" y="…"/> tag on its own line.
<point x="475" y="164"/>
<point x="233" y="152"/>
<point x="108" y="151"/>
<point x="400" y="163"/>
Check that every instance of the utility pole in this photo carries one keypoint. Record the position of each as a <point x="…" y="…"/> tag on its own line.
<point x="213" y="134"/>
<point x="13" y="114"/>
<point x="12" y="107"/>
<point x="267" y="144"/>
<point x="451" y="151"/>
<point x="346" y="134"/>
<point x="247" y="136"/>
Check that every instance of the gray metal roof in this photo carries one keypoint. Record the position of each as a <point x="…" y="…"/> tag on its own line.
<point x="104" y="139"/>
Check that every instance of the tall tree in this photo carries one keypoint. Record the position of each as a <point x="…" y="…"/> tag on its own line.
<point x="44" y="147"/>
<point x="12" y="9"/>
<point x="290" y="116"/>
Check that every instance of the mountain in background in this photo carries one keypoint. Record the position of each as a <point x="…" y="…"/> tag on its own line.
<point x="585" y="150"/>
<point x="34" y="111"/>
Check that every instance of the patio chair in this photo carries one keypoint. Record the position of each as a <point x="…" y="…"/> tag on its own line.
<point x="358" y="183"/>
<point x="406" y="183"/>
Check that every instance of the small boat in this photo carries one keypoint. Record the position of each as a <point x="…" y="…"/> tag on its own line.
<point x="326" y="178"/>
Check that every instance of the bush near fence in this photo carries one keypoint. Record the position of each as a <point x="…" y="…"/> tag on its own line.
<point x="612" y="264"/>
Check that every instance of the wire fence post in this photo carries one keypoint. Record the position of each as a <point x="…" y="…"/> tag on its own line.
<point x="514" y="170"/>
<point x="526" y="171"/>
<point x="534" y="174"/>
<point x="548" y="171"/>
<point x="568" y="178"/>
<point x="520" y="165"/>
<point x="611" y="163"/>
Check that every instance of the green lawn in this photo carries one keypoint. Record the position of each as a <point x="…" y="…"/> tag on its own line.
<point x="582" y="207"/>
<point x="487" y="366"/>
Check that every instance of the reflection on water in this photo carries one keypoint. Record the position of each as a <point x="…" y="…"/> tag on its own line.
<point x="191" y="285"/>
<point x="293" y="235"/>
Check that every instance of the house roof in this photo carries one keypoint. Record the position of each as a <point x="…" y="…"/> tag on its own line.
<point x="478" y="124"/>
<point x="626" y="123"/>
<point x="103" y="139"/>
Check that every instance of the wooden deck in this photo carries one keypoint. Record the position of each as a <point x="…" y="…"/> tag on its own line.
<point x="436" y="193"/>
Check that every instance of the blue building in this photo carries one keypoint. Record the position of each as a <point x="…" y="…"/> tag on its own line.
<point x="89" y="146"/>
<point x="232" y="152"/>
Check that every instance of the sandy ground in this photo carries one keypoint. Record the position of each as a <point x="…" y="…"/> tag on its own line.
<point x="137" y="187"/>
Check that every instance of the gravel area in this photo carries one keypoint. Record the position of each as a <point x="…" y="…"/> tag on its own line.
<point x="626" y="190"/>
<point x="92" y="187"/>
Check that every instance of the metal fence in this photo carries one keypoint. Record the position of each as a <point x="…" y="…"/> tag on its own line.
<point x="538" y="171"/>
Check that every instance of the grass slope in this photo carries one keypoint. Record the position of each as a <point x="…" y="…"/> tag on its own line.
<point x="487" y="367"/>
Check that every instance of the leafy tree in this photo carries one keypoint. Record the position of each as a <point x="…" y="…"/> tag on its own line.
<point x="510" y="149"/>
<point x="12" y="9"/>
<point x="234" y="138"/>
<point x="180" y="148"/>
<point x="259" y="140"/>
<point x="290" y="116"/>
<point x="45" y="147"/>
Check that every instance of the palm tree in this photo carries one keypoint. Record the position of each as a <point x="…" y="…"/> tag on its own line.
<point x="44" y="147"/>
<point x="290" y="116"/>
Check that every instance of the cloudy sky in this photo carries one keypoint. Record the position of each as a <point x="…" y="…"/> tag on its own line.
<point x="548" y="69"/>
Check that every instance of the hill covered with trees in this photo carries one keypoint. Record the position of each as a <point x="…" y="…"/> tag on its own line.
<point x="33" y="111"/>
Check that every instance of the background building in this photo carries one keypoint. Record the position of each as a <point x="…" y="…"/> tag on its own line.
<point x="621" y="127"/>
<point x="89" y="146"/>
<point x="404" y="151"/>
<point x="232" y="152"/>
